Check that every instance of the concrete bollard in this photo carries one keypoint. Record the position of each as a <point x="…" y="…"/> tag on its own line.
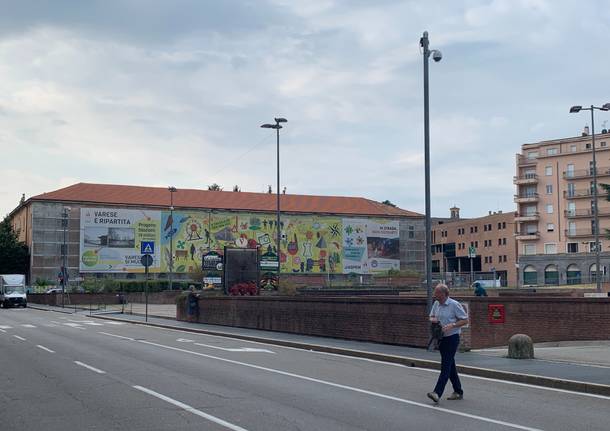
<point x="520" y="346"/>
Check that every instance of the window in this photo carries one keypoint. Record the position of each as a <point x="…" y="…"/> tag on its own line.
<point x="551" y="275"/>
<point x="550" y="248"/>
<point x="549" y="189"/>
<point x="588" y="146"/>
<point x="530" y="275"/>
<point x="573" y="274"/>
<point x="573" y="148"/>
<point x="499" y="225"/>
<point x="548" y="171"/>
<point x="550" y="227"/>
<point x="549" y="208"/>
<point x="476" y="244"/>
<point x="602" y="144"/>
<point x="476" y="228"/>
<point x="529" y="249"/>
<point x="471" y="229"/>
<point x="503" y="225"/>
<point x="551" y="151"/>
<point x="503" y="241"/>
<point x="499" y="241"/>
<point x="486" y="259"/>
<point x="411" y="232"/>
<point x="572" y="247"/>
<point x="532" y="154"/>
<point x="491" y="259"/>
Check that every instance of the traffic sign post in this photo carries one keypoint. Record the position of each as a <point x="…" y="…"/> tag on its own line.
<point x="472" y="253"/>
<point x="146" y="261"/>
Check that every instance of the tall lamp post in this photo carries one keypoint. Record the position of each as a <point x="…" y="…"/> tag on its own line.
<point x="277" y="126"/>
<point x="436" y="56"/>
<point x="171" y="190"/>
<point x="64" y="254"/>
<point x="573" y="110"/>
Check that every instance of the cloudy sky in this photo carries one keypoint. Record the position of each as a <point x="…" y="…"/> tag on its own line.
<point x="158" y="93"/>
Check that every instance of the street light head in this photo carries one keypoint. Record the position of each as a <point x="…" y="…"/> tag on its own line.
<point x="437" y="55"/>
<point x="271" y="126"/>
<point x="606" y="107"/>
<point x="575" y="109"/>
<point x="281" y="120"/>
<point x="172" y="189"/>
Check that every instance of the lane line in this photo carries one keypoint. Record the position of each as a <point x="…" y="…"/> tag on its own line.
<point x="19" y="338"/>
<point x="2" y="330"/>
<point x="90" y="367"/>
<point x="45" y="348"/>
<point x="117" y="336"/>
<point x="27" y="325"/>
<point x="190" y="409"/>
<point x="234" y="349"/>
<point x="5" y="327"/>
<point x="350" y="388"/>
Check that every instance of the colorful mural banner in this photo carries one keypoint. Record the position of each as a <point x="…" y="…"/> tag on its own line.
<point x="110" y="239"/>
<point x="308" y="243"/>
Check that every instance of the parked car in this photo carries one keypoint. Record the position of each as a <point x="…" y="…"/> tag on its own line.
<point x="53" y="290"/>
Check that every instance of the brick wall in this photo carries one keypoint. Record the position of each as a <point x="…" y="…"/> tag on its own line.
<point x="396" y="320"/>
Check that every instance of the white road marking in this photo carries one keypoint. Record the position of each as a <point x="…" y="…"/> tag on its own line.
<point x="74" y="325"/>
<point x="87" y="322"/>
<point x="191" y="409"/>
<point x="114" y="323"/>
<point x="5" y="327"/>
<point x="28" y="326"/>
<point x="117" y="336"/>
<point x="49" y="325"/>
<point x="349" y="388"/>
<point x="2" y="330"/>
<point x="19" y="338"/>
<point x="45" y="348"/>
<point x="184" y="340"/>
<point x="90" y="367"/>
<point x="236" y="349"/>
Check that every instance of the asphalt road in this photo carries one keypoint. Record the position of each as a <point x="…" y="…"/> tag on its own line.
<point x="73" y="372"/>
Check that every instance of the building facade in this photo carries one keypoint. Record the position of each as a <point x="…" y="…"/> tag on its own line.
<point x="490" y="240"/>
<point x="97" y="230"/>
<point x="556" y="209"/>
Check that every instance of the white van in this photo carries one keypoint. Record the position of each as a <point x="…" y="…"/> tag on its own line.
<point x="12" y="290"/>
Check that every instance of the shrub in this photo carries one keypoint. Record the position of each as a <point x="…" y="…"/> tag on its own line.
<point x="245" y="288"/>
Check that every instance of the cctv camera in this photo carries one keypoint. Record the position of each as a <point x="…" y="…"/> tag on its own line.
<point x="437" y="55"/>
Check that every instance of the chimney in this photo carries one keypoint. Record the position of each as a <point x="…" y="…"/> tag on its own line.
<point x="455" y="213"/>
<point x="585" y="131"/>
<point x="489" y="213"/>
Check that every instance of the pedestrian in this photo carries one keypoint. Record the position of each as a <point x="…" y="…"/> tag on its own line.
<point x="451" y="315"/>
<point x="193" y="305"/>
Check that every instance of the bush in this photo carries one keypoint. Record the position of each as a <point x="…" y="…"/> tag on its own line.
<point x="245" y="288"/>
<point x="287" y="287"/>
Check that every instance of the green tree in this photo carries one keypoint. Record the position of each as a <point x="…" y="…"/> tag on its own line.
<point x="14" y="255"/>
<point x="214" y="188"/>
<point x="387" y="202"/>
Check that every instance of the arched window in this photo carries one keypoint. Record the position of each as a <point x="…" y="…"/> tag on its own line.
<point x="530" y="275"/>
<point x="573" y="274"/>
<point x="593" y="273"/>
<point x="551" y="275"/>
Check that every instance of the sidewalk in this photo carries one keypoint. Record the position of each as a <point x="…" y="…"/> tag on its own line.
<point x="575" y="366"/>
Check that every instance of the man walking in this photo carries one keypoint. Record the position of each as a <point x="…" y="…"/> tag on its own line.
<point x="451" y="315"/>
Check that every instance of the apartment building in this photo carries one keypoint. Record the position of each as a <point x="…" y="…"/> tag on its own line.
<point x="491" y="237"/>
<point x="555" y="209"/>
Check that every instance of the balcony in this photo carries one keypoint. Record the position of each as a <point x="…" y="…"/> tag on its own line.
<point x="525" y="161"/>
<point x="534" y="216"/>
<point x="526" y="179"/>
<point x="579" y="233"/>
<point x="586" y="213"/>
<point x="578" y="194"/>
<point x="527" y="236"/>
<point x="586" y="173"/>
<point x="526" y="198"/>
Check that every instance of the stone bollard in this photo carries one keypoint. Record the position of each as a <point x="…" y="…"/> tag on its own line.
<point x="520" y="346"/>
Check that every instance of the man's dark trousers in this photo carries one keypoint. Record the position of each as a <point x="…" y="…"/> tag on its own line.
<point x="448" y="346"/>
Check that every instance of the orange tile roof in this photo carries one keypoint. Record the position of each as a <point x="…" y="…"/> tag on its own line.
<point x="111" y="194"/>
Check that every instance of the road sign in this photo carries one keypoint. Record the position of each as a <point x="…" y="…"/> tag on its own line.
<point x="472" y="252"/>
<point x="146" y="260"/>
<point x="147" y="247"/>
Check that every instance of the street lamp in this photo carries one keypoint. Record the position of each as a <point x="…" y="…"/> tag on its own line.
<point x="574" y="110"/>
<point x="64" y="254"/>
<point x="171" y="190"/>
<point x="436" y="56"/>
<point x="277" y="126"/>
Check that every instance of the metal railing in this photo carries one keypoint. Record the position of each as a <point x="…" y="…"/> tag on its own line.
<point x="574" y="233"/>
<point x="572" y="194"/>
<point x="586" y="173"/>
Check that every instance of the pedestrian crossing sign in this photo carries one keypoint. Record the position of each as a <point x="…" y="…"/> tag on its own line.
<point x="147" y="247"/>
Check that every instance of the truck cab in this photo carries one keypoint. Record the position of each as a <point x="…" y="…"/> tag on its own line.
<point x="12" y="291"/>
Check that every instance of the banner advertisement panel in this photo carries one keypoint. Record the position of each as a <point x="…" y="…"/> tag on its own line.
<point x="383" y="245"/>
<point x="111" y="237"/>
<point x="354" y="246"/>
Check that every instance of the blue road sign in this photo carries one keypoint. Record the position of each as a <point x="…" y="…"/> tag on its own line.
<point x="147" y="247"/>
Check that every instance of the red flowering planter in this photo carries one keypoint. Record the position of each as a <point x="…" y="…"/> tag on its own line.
<point x="242" y="289"/>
